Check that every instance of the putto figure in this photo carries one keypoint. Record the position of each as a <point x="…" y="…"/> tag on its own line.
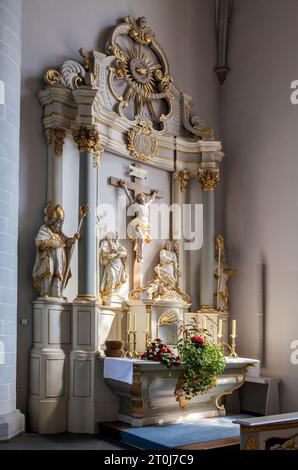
<point x="52" y="256"/>
<point x="112" y="256"/>
<point x="139" y="228"/>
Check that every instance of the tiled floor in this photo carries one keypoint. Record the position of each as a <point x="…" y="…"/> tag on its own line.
<point x="65" y="441"/>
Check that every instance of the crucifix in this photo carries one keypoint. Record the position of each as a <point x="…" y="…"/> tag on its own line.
<point x="138" y="229"/>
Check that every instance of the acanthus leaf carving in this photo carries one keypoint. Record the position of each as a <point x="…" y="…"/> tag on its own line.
<point x="88" y="140"/>
<point x="71" y="75"/>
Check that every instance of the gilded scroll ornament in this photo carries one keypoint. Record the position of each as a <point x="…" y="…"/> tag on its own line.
<point x="71" y="75"/>
<point x="194" y="124"/>
<point x="140" y="31"/>
<point x="54" y="78"/>
<point x="209" y="178"/>
<point x="142" y="143"/>
<point x="88" y="140"/>
<point x="251" y="443"/>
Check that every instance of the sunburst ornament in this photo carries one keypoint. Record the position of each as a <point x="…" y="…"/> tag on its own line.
<point x="139" y="75"/>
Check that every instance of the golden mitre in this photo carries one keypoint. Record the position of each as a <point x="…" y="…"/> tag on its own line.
<point x="55" y="212"/>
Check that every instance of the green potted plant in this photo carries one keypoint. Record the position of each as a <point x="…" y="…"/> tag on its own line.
<point x="202" y="360"/>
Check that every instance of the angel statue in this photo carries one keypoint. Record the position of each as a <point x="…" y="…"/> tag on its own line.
<point x="139" y="228"/>
<point x="112" y="256"/>
<point x="51" y="269"/>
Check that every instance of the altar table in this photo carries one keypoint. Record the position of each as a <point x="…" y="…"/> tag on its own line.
<point x="147" y="391"/>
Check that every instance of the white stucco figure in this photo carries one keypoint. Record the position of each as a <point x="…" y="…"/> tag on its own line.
<point x="53" y="248"/>
<point x="139" y="228"/>
<point x="167" y="269"/>
<point x="166" y="284"/>
<point x="112" y="256"/>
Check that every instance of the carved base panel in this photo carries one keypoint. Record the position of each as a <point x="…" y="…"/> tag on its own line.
<point x="47" y="416"/>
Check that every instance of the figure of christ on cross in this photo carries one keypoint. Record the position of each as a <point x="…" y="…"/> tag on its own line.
<point x="139" y="228"/>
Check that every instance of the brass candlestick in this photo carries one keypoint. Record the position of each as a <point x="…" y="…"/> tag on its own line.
<point x="232" y="348"/>
<point x="128" y="353"/>
<point x="135" y="354"/>
<point x="147" y="339"/>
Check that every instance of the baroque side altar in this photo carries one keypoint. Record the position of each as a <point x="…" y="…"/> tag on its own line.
<point x="128" y="165"/>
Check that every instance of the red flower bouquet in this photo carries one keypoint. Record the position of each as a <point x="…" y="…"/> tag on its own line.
<point x="197" y="341"/>
<point x="159" y="352"/>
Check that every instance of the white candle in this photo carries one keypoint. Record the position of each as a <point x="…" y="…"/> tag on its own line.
<point x="134" y="326"/>
<point x="233" y="329"/>
<point x="147" y="322"/>
<point x="128" y="322"/>
<point x="219" y="331"/>
<point x="204" y="323"/>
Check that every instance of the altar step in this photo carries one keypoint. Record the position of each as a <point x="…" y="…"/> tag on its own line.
<point x="204" y="434"/>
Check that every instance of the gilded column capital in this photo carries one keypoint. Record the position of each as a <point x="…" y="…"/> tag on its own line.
<point x="182" y="177"/>
<point x="56" y="137"/>
<point x="88" y="140"/>
<point x="209" y="178"/>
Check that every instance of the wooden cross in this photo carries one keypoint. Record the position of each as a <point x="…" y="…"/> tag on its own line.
<point x="135" y="186"/>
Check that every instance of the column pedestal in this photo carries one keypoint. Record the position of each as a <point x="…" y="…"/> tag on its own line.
<point x="49" y="366"/>
<point x="84" y="368"/>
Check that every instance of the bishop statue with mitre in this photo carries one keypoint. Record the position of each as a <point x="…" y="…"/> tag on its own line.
<point x="52" y="256"/>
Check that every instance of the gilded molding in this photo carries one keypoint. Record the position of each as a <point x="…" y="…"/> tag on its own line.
<point x="268" y="427"/>
<point x="209" y="178"/>
<point x="88" y="140"/>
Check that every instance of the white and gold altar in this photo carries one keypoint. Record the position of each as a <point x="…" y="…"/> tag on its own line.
<point x="120" y="136"/>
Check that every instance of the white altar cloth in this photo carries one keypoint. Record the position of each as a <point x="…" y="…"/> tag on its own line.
<point x="120" y="369"/>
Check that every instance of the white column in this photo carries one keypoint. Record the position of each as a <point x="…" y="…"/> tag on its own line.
<point x="11" y="420"/>
<point x="55" y="141"/>
<point x="180" y="180"/>
<point x="208" y="177"/>
<point x="84" y="396"/>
